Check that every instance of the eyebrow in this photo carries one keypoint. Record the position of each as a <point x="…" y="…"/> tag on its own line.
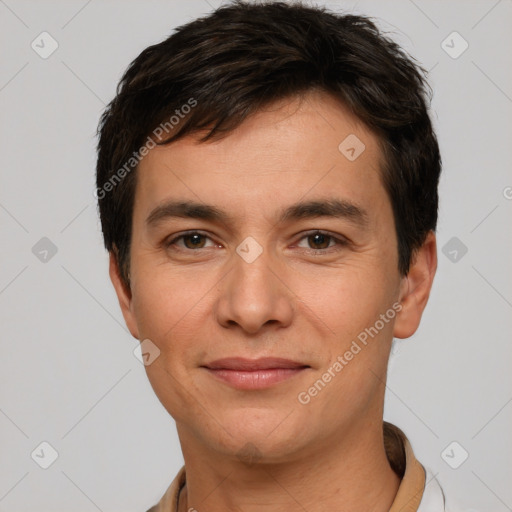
<point x="336" y="208"/>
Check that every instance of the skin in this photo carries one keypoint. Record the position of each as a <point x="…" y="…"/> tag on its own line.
<point x="293" y="301"/>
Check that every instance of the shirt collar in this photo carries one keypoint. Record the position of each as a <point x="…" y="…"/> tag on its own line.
<point x="411" y="488"/>
<point x="401" y="458"/>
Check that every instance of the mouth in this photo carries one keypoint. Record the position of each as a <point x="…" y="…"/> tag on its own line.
<point x="249" y="374"/>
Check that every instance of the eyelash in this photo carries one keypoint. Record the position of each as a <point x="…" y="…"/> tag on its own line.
<point x="340" y="241"/>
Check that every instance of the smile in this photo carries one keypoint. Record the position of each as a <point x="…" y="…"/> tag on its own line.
<point x="254" y="373"/>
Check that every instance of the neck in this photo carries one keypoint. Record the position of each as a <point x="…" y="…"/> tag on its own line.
<point x="350" y="472"/>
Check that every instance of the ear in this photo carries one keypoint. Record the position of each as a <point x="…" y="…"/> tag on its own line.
<point x="415" y="288"/>
<point x="124" y="294"/>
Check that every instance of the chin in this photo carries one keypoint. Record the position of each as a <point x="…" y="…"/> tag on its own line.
<point x="256" y="436"/>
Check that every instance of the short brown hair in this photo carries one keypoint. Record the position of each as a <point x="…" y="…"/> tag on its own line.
<point x="242" y="57"/>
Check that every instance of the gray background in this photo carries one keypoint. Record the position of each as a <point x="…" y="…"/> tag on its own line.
<point x="68" y="372"/>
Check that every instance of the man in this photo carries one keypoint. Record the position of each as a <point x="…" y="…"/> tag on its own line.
<point x="267" y="183"/>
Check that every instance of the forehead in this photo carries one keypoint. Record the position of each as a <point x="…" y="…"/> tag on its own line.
<point x="310" y="147"/>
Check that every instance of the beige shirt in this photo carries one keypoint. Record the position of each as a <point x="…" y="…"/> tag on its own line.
<point x="400" y="456"/>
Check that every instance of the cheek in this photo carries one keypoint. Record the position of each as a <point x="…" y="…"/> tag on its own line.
<point x="346" y="299"/>
<point x="167" y="313"/>
<point x="171" y="308"/>
<point x="163" y="297"/>
<point x="154" y="307"/>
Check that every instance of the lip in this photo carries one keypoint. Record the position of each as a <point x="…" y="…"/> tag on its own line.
<point x="263" y="363"/>
<point x="260" y="373"/>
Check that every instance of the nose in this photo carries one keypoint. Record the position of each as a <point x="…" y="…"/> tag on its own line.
<point x="254" y="297"/>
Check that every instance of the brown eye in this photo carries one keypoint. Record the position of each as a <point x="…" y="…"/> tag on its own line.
<point x="319" y="241"/>
<point x="189" y="242"/>
<point x="194" y="241"/>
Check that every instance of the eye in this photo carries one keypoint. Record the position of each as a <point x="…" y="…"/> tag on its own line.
<point x="192" y="240"/>
<point x="319" y="241"/>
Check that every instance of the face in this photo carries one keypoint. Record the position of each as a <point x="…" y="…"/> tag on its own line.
<point x="258" y="262"/>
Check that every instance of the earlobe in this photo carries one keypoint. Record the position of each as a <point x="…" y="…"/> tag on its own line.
<point x="124" y="295"/>
<point x="415" y="288"/>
